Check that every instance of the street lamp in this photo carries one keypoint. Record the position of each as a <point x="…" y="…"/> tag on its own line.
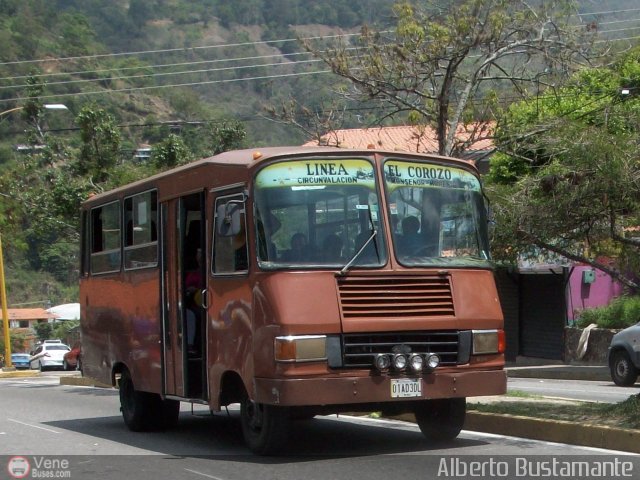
<point x="3" y="292"/>
<point x="48" y="106"/>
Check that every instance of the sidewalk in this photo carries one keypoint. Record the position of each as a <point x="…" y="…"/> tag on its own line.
<point x="560" y="371"/>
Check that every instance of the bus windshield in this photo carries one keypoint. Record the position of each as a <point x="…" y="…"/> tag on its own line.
<point x="437" y="215"/>
<point x="318" y="213"/>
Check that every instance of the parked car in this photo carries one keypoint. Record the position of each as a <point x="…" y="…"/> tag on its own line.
<point x="20" y="360"/>
<point x="72" y="359"/>
<point x="624" y="356"/>
<point x="49" y="355"/>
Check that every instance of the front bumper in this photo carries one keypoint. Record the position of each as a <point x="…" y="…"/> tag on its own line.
<point x="375" y="389"/>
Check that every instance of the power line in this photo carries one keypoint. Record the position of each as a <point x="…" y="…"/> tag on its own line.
<point x="165" y="65"/>
<point x="171" y="50"/>
<point x="608" y="12"/>
<point x="155" y="87"/>
<point x="184" y="72"/>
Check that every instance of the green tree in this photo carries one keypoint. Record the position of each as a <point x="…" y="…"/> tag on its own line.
<point x="33" y="109"/>
<point x="100" y="142"/>
<point x="170" y="152"/>
<point x="43" y="330"/>
<point x="226" y="135"/>
<point x="567" y="179"/>
<point x="443" y="64"/>
<point x="18" y="341"/>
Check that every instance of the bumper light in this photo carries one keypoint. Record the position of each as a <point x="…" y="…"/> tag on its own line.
<point x="399" y="361"/>
<point x="382" y="362"/>
<point x="300" y="348"/>
<point x="433" y="361"/>
<point x="416" y="363"/>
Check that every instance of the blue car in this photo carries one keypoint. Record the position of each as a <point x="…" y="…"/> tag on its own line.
<point x="20" y="360"/>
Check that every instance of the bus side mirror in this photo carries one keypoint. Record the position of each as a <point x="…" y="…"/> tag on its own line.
<point x="228" y="219"/>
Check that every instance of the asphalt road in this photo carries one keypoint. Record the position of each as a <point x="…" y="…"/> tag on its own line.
<point x="594" y="391"/>
<point x="42" y="420"/>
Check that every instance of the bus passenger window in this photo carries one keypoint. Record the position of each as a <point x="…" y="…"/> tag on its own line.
<point x="105" y="238"/>
<point x="140" y="220"/>
<point x="230" y="251"/>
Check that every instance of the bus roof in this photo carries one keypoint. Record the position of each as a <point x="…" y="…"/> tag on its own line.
<point x="251" y="157"/>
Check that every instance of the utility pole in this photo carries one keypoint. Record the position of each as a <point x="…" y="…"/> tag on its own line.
<point x="8" y="367"/>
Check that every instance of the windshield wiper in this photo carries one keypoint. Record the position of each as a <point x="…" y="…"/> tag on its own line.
<point x="374" y="232"/>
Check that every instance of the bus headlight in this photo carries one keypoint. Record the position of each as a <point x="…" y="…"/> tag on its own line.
<point x="488" y="341"/>
<point x="300" y="348"/>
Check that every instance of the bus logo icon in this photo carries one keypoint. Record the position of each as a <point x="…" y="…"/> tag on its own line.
<point x="18" y="467"/>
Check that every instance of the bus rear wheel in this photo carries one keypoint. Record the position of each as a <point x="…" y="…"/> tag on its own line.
<point x="265" y="427"/>
<point x="441" y="419"/>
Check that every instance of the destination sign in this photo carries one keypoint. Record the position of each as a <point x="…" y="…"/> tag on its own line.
<point x="411" y="174"/>
<point x="317" y="172"/>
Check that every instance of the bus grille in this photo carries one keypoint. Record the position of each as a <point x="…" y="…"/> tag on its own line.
<point x="360" y="349"/>
<point x="397" y="297"/>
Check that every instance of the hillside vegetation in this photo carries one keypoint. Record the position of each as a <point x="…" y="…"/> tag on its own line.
<point x="189" y="78"/>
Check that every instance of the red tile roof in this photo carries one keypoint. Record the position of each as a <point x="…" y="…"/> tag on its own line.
<point x="402" y="138"/>
<point x="28" y="314"/>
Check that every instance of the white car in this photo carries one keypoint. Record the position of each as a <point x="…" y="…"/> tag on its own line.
<point x="49" y="355"/>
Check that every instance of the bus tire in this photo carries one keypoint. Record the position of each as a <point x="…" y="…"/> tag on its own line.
<point x="265" y="427"/>
<point x="137" y="407"/>
<point x="441" y="419"/>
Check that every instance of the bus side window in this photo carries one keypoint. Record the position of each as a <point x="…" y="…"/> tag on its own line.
<point x="105" y="238"/>
<point x="230" y="251"/>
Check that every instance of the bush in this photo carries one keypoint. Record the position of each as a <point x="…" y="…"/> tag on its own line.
<point x="622" y="312"/>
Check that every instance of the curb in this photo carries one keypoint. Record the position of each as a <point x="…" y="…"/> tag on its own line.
<point x="83" y="382"/>
<point x="558" y="431"/>
<point x="600" y="374"/>
<point x="20" y="374"/>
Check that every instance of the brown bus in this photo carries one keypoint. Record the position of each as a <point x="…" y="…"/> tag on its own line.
<point x="294" y="281"/>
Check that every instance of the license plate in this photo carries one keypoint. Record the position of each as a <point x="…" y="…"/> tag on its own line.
<point x="406" y="387"/>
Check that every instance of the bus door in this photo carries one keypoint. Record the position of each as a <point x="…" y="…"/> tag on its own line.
<point x="184" y="296"/>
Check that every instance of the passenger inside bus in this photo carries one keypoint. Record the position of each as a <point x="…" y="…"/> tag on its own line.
<point x="332" y="249"/>
<point x="299" y="251"/>
<point x="193" y="279"/>
<point x="191" y="311"/>
<point x="409" y="242"/>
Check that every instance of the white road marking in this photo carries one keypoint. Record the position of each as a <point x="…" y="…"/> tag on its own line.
<point x="31" y="425"/>
<point x="203" y="474"/>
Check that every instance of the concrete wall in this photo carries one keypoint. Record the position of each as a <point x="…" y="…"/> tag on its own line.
<point x="597" y="346"/>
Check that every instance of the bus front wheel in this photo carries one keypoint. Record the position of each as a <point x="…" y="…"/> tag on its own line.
<point x="265" y="427"/>
<point x="441" y="419"/>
